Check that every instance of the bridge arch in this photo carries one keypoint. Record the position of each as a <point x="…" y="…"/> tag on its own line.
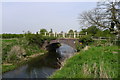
<point x="71" y="42"/>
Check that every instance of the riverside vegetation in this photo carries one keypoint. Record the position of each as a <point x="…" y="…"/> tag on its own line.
<point x="99" y="61"/>
<point x="16" y="49"/>
<point x="96" y="62"/>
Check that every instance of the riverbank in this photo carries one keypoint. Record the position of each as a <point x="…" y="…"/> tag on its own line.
<point x="16" y="52"/>
<point x="96" y="62"/>
<point x="9" y="66"/>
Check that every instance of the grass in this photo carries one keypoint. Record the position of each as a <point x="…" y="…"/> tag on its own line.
<point x="8" y="44"/>
<point x="8" y="40"/>
<point x="97" y="62"/>
<point x="6" y="68"/>
<point x="6" y="47"/>
<point x="22" y="46"/>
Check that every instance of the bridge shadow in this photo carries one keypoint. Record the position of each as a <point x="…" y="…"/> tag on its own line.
<point x="49" y="59"/>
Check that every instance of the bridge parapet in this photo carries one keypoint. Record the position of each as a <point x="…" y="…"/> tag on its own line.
<point x="65" y="35"/>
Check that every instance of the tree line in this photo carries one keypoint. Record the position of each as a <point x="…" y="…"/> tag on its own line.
<point x="7" y="36"/>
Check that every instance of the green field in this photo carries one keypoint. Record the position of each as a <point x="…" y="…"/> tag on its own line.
<point x="97" y="62"/>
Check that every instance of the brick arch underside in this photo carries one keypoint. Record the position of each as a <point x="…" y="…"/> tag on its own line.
<point x="67" y="41"/>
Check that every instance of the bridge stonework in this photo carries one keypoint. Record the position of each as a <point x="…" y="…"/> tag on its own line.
<point x="69" y="41"/>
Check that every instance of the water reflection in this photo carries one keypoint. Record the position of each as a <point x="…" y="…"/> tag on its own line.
<point x="42" y="72"/>
<point x="65" y="51"/>
<point x="42" y="66"/>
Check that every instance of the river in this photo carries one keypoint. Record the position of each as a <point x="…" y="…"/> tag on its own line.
<point x="33" y="69"/>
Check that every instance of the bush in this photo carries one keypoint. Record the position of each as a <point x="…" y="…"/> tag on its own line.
<point x="13" y="57"/>
<point x="83" y="41"/>
<point x="49" y="38"/>
<point x="79" y="46"/>
<point x="86" y="39"/>
<point x="37" y="39"/>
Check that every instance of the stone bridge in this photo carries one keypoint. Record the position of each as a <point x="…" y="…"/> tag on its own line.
<point x="69" y="41"/>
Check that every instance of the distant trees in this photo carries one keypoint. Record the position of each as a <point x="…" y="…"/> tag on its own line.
<point x="5" y="35"/>
<point x="75" y="31"/>
<point x="90" y="30"/>
<point x="96" y="32"/>
<point x="71" y="31"/>
<point x="61" y="32"/>
<point x="42" y="31"/>
<point x="51" y="31"/>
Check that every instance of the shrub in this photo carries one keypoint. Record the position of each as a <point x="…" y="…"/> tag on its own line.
<point x="79" y="46"/>
<point x="12" y="57"/>
<point x="86" y="39"/>
<point x="37" y="39"/>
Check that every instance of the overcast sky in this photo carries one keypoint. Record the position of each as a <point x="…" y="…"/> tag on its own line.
<point x="33" y="16"/>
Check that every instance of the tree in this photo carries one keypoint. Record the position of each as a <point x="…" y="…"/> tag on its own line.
<point x="96" y="32"/>
<point x="42" y="31"/>
<point x="70" y="31"/>
<point x="91" y="30"/>
<point x="51" y="31"/>
<point x="75" y="31"/>
<point x="105" y="16"/>
<point x="61" y="32"/>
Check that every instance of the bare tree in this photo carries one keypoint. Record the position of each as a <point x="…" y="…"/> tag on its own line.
<point x="106" y="15"/>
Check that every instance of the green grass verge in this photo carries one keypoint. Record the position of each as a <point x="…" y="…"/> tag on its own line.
<point x="6" y="68"/>
<point x="97" y="62"/>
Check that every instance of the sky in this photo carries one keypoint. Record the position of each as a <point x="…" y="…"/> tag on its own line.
<point x="33" y="16"/>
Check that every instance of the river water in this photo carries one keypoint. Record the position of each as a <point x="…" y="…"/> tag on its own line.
<point x="34" y="69"/>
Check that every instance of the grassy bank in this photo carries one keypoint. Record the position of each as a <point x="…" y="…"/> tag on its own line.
<point x="6" y="68"/>
<point x="97" y="62"/>
<point x="16" y="50"/>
